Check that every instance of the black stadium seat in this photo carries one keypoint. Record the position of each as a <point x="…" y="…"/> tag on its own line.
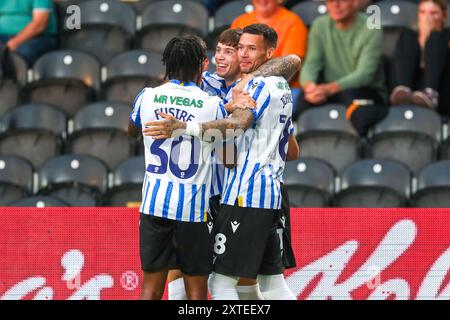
<point x="309" y="182"/>
<point x="444" y="152"/>
<point x="78" y="180"/>
<point x="130" y="72"/>
<point x="32" y="131"/>
<point x="309" y="10"/>
<point x="106" y="29"/>
<point x="212" y="61"/>
<point x="10" y="84"/>
<point x="395" y="16"/>
<point x="16" y="179"/>
<point x="163" y="20"/>
<point x="39" y="202"/>
<point x="225" y="14"/>
<point x="65" y="79"/>
<point x="139" y="5"/>
<point x="127" y="181"/>
<point x="433" y="186"/>
<point x="100" y="130"/>
<point x="408" y="134"/>
<point x="325" y="133"/>
<point x="374" y="183"/>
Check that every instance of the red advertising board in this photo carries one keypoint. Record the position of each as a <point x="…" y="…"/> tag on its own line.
<point x="93" y="253"/>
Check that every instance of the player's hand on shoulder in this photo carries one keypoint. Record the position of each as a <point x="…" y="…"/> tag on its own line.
<point x="243" y="100"/>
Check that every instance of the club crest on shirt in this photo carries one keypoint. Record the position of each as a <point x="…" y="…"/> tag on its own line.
<point x="254" y="85"/>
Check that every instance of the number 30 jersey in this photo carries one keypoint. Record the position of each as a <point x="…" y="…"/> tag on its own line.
<point x="177" y="182"/>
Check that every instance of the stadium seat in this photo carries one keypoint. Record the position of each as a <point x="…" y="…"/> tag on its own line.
<point x="16" y="179"/>
<point x="21" y="68"/>
<point x="163" y="20"/>
<point x="310" y="10"/>
<point x="212" y="61"/>
<point x="395" y="16"/>
<point x="139" y="5"/>
<point x="100" y="130"/>
<point x="444" y="149"/>
<point x="126" y="189"/>
<point x="433" y="186"/>
<point x="373" y="183"/>
<point x="130" y="72"/>
<point x="325" y="133"/>
<point x="39" y="202"/>
<point x="225" y="14"/>
<point x="78" y="180"/>
<point x="10" y="87"/>
<point x="32" y="131"/>
<point x="408" y="134"/>
<point x="309" y="182"/>
<point x="106" y="30"/>
<point x="65" y="79"/>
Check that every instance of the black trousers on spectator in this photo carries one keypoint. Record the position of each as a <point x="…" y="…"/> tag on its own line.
<point x="363" y="117"/>
<point x="436" y="75"/>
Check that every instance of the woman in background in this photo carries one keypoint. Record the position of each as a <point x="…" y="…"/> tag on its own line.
<point x="422" y="60"/>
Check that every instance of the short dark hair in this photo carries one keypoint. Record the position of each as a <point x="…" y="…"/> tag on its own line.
<point x="183" y="57"/>
<point x="230" y="37"/>
<point x="269" y="34"/>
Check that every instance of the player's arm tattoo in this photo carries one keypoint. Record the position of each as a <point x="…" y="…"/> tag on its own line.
<point x="240" y="120"/>
<point x="285" y="67"/>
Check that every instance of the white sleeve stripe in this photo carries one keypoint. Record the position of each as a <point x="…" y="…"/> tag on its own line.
<point x="212" y="87"/>
<point x="135" y="114"/>
<point x="263" y="107"/>
<point x="222" y="108"/>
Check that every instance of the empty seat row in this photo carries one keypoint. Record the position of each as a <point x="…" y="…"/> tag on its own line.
<point x="412" y="135"/>
<point x="373" y="183"/>
<point x="70" y="79"/>
<point x="84" y="181"/>
<point x="76" y="180"/>
<point x="38" y="132"/>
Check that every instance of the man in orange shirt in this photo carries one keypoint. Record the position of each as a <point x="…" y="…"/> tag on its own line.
<point x="292" y="32"/>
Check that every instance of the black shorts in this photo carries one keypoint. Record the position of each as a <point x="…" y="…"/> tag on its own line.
<point x="284" y="225"/>
<point x="169" y="244"/>
<point x="246" y="242"/>
<point x="214" y="206"/>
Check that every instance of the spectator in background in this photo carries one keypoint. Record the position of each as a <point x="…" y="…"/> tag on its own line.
<point x="422" y="60"/>
<point x="343" y="64"/>
<point x="292" y="32"/>
<point x="28" y="27"/>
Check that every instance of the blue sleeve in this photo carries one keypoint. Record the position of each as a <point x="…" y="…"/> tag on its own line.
<point x="213" y="84"/>
<point x="221" y="113"/>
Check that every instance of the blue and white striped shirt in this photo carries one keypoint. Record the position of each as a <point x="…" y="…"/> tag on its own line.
<point x="178" y="170"/>
<point x="215" y="85"/>
<point x="255" y="181"/>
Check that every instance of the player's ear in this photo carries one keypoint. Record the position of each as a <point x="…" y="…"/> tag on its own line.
<point x="205" y="65"/>
<point x="269" y="53"/>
